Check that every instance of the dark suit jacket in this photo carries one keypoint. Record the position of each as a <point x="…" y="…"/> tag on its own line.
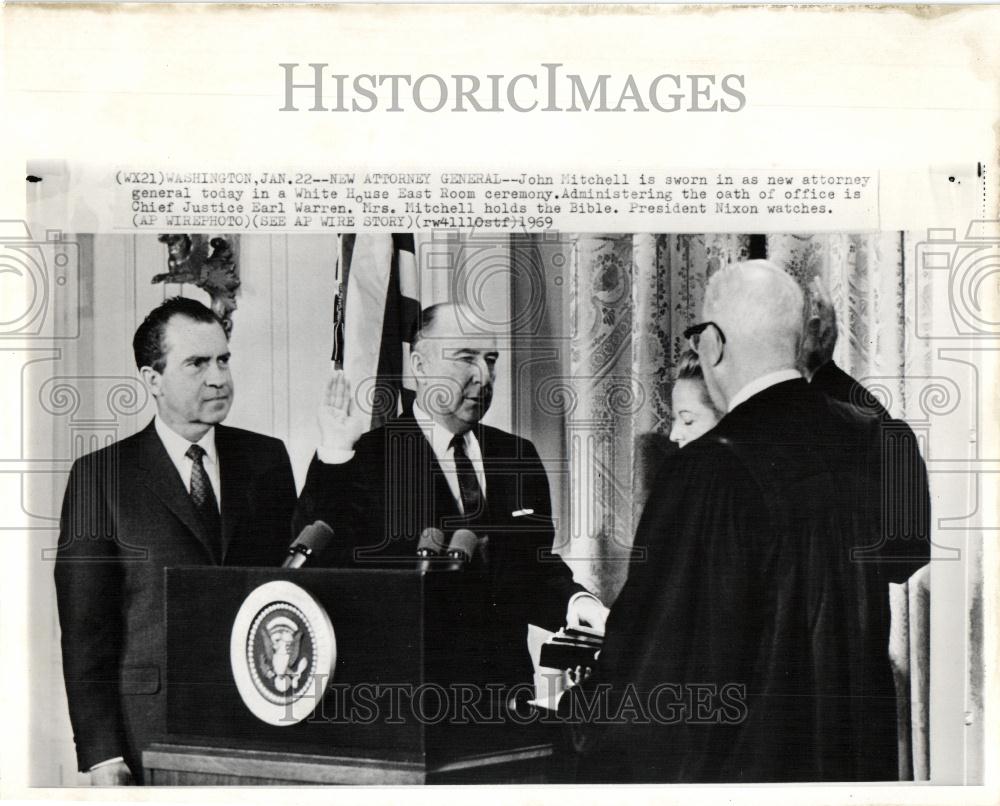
<point x="753" y="581"/>
<point x="127" y="516"/>
<point x="903" y="476"/>
<point x="393" y="488"/>
<point x="832" y="381"/>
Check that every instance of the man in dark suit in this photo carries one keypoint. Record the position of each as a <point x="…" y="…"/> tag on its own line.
<point x="751" y="645"/>
<point x="816" y="356"/>
<point x="185" y="490"/>
<point x="439" y="466"/>
<point x="903" y="477"/>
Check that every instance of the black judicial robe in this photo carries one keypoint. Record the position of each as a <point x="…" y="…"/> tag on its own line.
<point x="831" y="380"/>
<point x="749" y="643"/>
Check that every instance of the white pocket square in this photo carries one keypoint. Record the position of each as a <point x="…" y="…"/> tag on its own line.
<point x="518" y="513"/>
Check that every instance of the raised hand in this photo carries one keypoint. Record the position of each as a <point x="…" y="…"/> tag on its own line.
<point x="340" y="423"/>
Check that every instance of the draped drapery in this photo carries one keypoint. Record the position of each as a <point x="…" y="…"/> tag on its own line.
<point x="631" y="298"/>
<point x="632" y="295"/>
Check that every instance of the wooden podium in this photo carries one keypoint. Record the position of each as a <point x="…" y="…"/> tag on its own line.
<point x="427" y="685"/>
<point x="186" y="765"/>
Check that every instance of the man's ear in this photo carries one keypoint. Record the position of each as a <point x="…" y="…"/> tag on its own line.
<point x="709" y="346"/>
<point x="813" y="326"/>
<point x="417" y="362"/>
<point x="152" y="379"/>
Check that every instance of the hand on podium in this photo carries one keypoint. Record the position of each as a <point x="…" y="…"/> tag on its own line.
<point x="340" y="422"/>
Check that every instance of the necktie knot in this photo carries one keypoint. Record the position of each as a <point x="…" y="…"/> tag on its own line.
<point x="457" y="443"/>
<point x="195" y="452"/>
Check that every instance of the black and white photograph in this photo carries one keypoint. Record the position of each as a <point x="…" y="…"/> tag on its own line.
<point x="449" y="508"/>
<point x="499" y="403"/>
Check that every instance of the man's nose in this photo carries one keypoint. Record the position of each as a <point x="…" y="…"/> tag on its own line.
<point x="482" y="372"/>
<point x="217" y="375"/>
<point x="674" y="435"/>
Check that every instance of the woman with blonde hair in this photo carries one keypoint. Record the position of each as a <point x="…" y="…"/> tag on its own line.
<point x="694" y="413"/>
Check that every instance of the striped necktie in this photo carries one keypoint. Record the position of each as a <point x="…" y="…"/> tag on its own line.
<point x="204" y="499"/>
<point x="468" y="483"/>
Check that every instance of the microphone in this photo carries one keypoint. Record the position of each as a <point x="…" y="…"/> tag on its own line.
<point x="431" y="545"/>
<point x="311" y="540"/>
<point x="460" y="550"/>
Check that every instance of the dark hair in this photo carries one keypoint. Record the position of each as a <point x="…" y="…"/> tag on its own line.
<point x="426" y="321"/>
<point x="428" y="316"/>
<point x="689" y="369"/>
<point x="147" y="344"/>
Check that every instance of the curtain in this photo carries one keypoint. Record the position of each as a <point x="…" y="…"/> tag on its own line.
<point x="631" y="298"/>
<point x="871" y="286"/>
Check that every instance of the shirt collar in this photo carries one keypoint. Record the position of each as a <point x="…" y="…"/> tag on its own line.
<point x="177" y="445"/>
<point x="758" y="385"/>
<point x="436" y="434"/>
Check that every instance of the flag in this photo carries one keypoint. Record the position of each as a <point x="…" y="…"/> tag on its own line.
<point x="375" y="313"/>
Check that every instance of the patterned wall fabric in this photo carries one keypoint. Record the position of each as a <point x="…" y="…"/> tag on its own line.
<point x="632" y="297"/>
<point x="600" y="427"/>
<point x="871" y="287"/>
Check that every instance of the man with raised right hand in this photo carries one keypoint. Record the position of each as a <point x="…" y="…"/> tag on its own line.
<point x="440" y="466"/>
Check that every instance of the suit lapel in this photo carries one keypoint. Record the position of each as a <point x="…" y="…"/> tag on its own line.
<point x="233" y="466"/>
<point x="496" y="469"/>
<point x="443" y="501"/>
<point x="160" y="476"/>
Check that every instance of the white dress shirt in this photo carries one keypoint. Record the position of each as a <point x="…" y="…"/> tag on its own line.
<point x="440" y="439"/>
<point x="758" y="385"/>
<point x="177" y="447"/>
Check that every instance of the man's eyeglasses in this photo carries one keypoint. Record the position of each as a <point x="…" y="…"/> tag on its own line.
<point x="693" y="336"/>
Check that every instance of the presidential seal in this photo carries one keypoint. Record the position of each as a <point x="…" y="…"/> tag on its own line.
<point x="283" y="651"/>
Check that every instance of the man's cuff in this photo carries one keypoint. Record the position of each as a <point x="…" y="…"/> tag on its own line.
<point x="570" y="605"/>
<point x="333" y="456"/>
<point x="104" y="763"/>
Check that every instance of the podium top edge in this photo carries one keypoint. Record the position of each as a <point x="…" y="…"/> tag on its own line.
<point x="402" y="572"/>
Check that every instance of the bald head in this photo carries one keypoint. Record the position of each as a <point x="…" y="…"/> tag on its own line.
<point x="759" y="303"/>
<point x="758" y="307"/>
